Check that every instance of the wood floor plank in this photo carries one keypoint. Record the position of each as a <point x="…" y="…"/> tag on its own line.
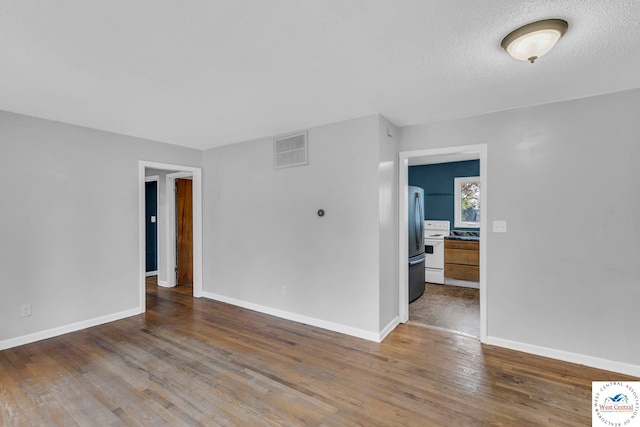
<point x="15" y="405"/>
<point x="197" y="362"/>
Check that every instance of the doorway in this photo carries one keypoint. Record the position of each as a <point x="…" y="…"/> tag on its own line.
<point x="442" y="155"/>
<point x="167" y="235"/>
<point x="151" y="225"/>
<point x="451" y="293"/>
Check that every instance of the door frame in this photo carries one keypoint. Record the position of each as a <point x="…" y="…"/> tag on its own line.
<point x="452" y="154"/>
<point x="152" y="178"/>
<point x="196" y="174"/>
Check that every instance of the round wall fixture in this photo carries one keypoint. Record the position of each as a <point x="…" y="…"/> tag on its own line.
<point x="534" y="40"/>
<point x="320" y="212"/>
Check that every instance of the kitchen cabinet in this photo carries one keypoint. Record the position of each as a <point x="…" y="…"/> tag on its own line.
<point x="462" y="259"/>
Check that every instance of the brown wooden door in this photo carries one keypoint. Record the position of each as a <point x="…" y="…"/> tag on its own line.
<point x="184" y="232"/>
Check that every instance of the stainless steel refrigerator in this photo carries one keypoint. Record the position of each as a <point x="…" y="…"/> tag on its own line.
<point x="416" y="242"/>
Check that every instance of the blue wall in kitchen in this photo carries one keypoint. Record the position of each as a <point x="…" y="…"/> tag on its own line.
<point x="437" y="182"/>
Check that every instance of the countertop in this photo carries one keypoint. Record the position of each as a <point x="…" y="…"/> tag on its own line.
<point x="464" y="235"/>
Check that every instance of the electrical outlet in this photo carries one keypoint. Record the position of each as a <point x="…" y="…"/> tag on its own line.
<point x="284" y="290"/>
<point x="25" y="310"/>
<point x="499" y="226"/>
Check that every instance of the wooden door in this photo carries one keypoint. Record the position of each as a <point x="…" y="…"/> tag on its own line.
<point x="184" y="232"/>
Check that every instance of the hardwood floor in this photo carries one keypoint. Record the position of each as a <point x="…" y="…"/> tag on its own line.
<point x="449" y="307"/>
<point x="199" y="362"/>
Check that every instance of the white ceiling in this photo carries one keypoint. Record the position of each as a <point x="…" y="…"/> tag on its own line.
<point x="204" y="73"/>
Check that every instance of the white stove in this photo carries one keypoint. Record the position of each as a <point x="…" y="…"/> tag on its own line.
<point x="434" y="234"/>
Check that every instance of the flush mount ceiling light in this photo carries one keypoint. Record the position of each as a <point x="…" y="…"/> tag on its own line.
<point x="530" y="42"/>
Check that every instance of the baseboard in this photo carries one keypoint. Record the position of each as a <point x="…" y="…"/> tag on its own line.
<point x="389" y="328"/>
<point x="462" y="283"/>
<point x="336" y="327"/>
<point x="61" y="330"/>
<point x="165" y="284"/>
<point x="580" y="359"/>
<point x="151" y="273"/>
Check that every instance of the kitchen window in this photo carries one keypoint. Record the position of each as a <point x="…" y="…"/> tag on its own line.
<point x="467" y="202"/>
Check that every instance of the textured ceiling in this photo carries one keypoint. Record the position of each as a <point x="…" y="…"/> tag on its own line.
<point x="203" y="73"/>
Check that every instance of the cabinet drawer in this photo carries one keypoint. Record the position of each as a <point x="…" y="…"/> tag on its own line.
<point x="470" y="273"/>
<point x="471" y="245"/>
<point x="461" y="256"/>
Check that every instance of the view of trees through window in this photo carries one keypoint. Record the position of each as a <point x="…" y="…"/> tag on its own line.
<point x="470" y="201"/>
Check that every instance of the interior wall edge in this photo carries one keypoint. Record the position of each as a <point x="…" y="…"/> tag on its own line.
<point x="389" y="328"/>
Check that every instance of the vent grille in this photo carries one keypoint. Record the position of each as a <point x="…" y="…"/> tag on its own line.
<point x="290" y="150"/>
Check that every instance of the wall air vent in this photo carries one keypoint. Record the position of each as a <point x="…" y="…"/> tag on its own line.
<point x="290" y="150"/>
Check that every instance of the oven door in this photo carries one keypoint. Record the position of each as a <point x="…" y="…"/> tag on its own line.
<point x="435" y="253"/>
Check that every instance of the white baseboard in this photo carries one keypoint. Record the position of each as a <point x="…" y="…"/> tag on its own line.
<point x="165" y="284"/>
<point x="151" y="273"/>
<point x="336" y="327"/>
<point x="389" y="328"/>
<point x="61" y="330"/>
<point x="580" y="359"/>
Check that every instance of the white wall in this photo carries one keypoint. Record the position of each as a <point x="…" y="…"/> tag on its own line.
<point x="69" y="222"/>
<point x="389" y="142"/>
<point x="262" y="231"/>
<point x="565" y="176"/>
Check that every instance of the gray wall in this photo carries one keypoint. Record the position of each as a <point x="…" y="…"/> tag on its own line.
<point x="261" y="231"/>
<point x="388" y="221"/>
<point x="69" y="221"/>
<point x="565" y="176"/>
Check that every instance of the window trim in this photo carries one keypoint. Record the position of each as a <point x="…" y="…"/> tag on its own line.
<point x="457" y="202"/>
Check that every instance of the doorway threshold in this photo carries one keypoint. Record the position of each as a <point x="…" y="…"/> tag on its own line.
<point x="438" y="328"/>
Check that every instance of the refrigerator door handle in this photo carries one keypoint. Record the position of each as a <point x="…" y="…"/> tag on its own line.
<point x="417" y="261"/>
<point x="418" y="218"/>
<point x="421" y="218"/>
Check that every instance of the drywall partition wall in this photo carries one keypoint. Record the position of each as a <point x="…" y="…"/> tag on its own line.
<point x="437" y="180"/>
<point x="389" y="142"/>
<point x="70" y="224"/>
<point x="265" y="246"/>
<point x="563" y="281"/>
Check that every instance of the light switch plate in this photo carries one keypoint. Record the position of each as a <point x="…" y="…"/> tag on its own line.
<point x="499" y="226"/>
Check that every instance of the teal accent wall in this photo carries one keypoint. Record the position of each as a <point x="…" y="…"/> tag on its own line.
<point x="437" y="182"/>
<point x="151" y="230"/>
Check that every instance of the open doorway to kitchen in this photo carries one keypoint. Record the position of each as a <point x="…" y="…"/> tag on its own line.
<point x="179" y="220"/>
<point x="454" y="295"/>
